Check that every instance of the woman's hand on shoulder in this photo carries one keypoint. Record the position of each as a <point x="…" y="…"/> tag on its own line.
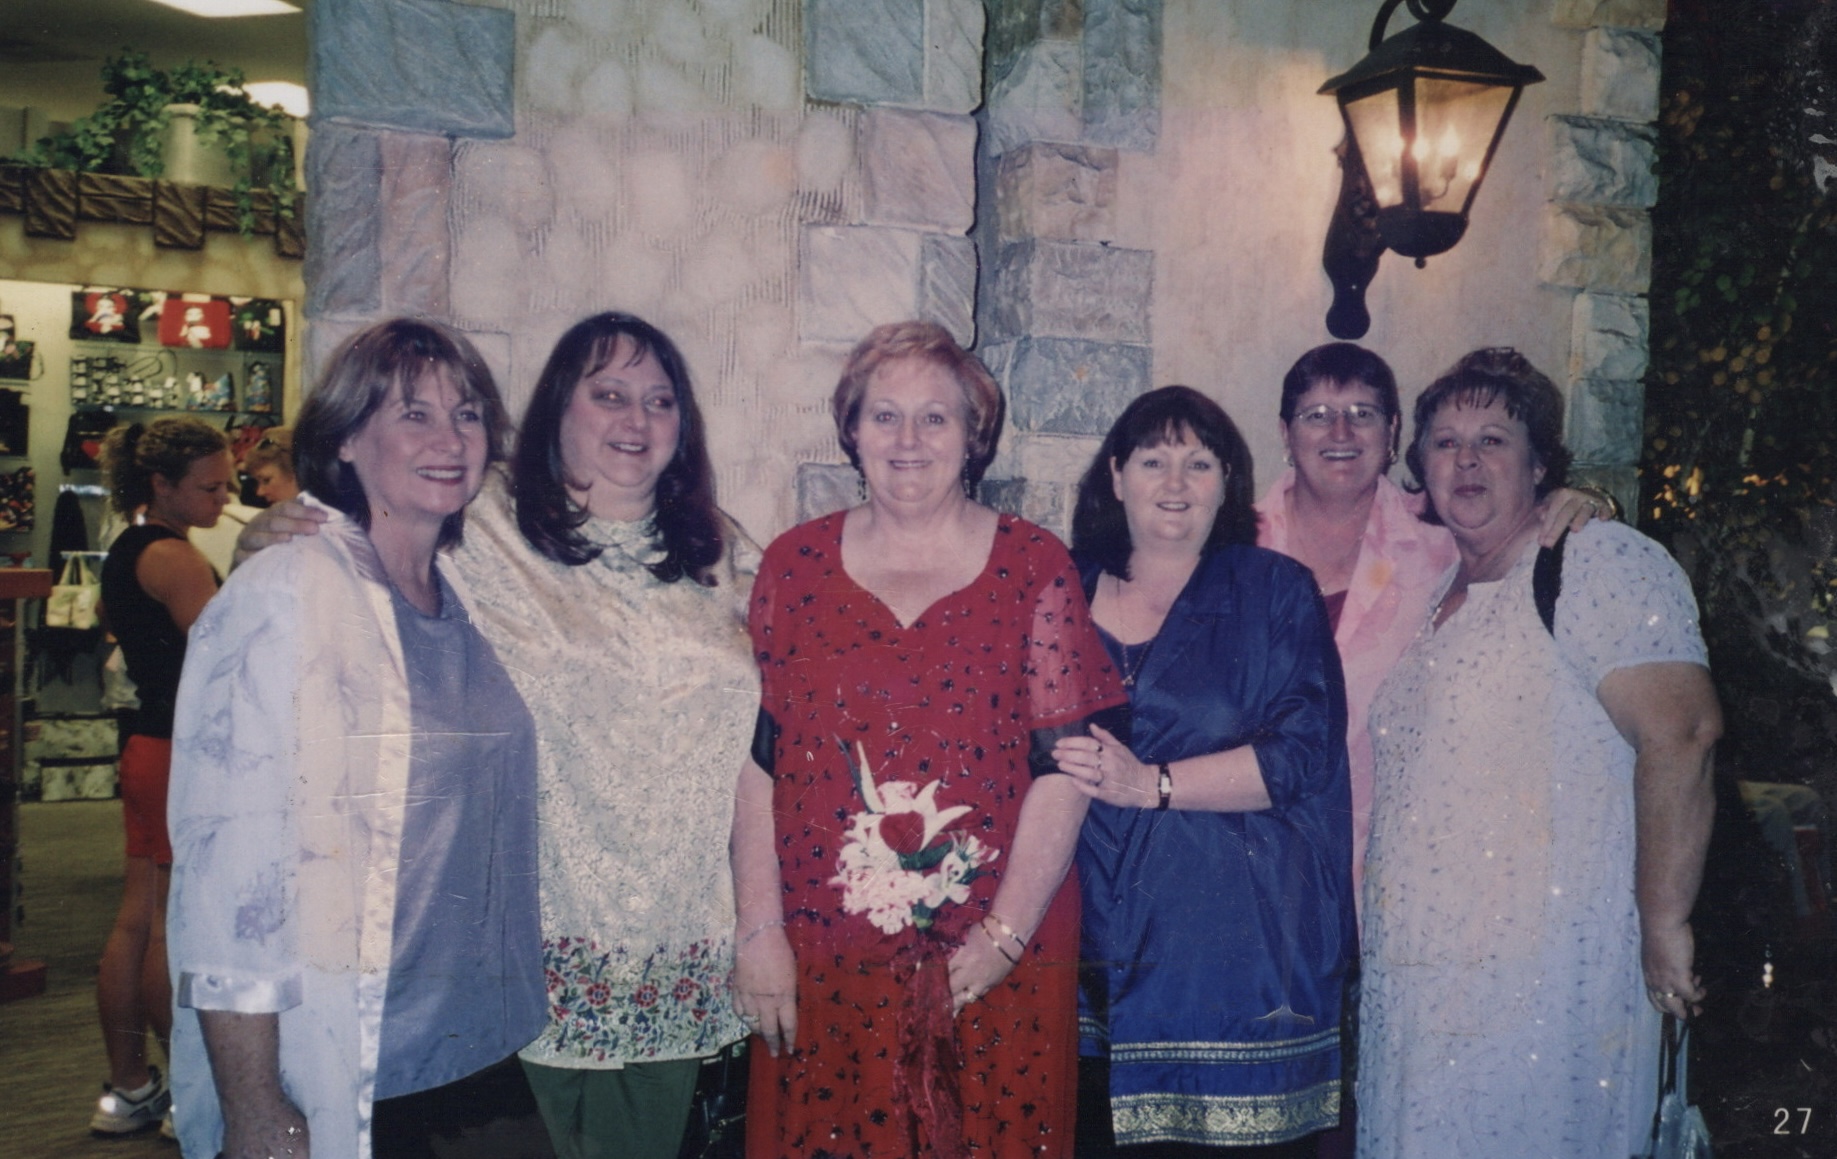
<point x="1105" y="770"/>
<point x="765" y="986"/>
<point x="277" y="525"/>
<point x="1572" y="509"/>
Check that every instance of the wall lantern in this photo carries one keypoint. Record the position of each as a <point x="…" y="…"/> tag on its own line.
<point x="1424" y="112"/>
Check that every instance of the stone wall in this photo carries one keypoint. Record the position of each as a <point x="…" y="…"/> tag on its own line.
<point x="1148" y="182"/>
<point x="1597" y="232"/>
<point x="764" y="179"/>
<point x="1067" y="312"/>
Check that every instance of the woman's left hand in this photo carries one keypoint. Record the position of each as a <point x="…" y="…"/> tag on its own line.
<point x="1105" y="770"/>
<point x="976" y="968"/>
<point x="1667" y="958"/>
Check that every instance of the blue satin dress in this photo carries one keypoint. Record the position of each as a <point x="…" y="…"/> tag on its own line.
<point x="1217" y="945"/>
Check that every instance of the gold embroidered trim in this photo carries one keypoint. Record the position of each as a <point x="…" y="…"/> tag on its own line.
<point x="1224" y="1120"/>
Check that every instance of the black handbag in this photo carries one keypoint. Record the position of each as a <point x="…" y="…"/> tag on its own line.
<point x="1678" y="1130"/>
<point x="717" y="1114"/>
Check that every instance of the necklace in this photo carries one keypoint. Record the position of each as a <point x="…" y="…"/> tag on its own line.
<point x="1130" y="671"/>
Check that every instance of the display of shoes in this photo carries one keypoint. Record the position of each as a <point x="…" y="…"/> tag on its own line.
<point x="127" y="1112"/>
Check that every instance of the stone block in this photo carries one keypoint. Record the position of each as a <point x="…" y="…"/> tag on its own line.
<point x="426" y="66"/>
<point x="865" y="51"/>
<point x="1017" y="25"/>
<point x="1058" y="191"/>
<point x="1596" y="248"/>
<point x="415" y="246"/>
<point x="1068" y="386"/>
<point x="953" y="55"/>
<point x="852" y="278"/>
<point x="1608" y="336"/>
<point x="825" y="487"/>
<point x="1038" y="501"/>
<point x="343" y="272"/>
<point x="1595" y="161"/>
<point x="1606" y="420"/>
<point x="1040" y="99"/>
<point x="1122" y="73"/>
<point x="1648" y="14"/>
<point x="947" y="285"/>
<point x="1620" y="74"/>
<point x="918" y="169"/>
<point x="1063" y="289"/>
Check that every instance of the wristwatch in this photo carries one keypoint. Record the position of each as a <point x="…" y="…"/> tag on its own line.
<point x="1164" y="784"/>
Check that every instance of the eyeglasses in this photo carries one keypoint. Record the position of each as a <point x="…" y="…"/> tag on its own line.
<point x="1360" y="416"/>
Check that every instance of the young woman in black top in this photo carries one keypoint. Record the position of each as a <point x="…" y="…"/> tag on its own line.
<point x="168" y="477"/>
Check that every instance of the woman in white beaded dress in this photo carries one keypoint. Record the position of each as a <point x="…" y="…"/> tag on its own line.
<point x="1542" y="808"/>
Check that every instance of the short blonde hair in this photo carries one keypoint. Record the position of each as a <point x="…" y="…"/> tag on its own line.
<point x="928" y="342"/>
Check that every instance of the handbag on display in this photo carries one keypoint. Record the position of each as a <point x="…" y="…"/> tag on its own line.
<point x="1678" y="1130"/>
<point x="73" y="599"/>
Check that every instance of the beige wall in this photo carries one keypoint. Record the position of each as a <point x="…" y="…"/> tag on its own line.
<point x="1236" y="198"/>
<point x="663" y="164"/>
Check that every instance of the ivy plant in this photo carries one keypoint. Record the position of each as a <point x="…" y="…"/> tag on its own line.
<point x="127" y="132"/>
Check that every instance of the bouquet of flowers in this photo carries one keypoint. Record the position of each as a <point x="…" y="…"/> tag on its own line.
<point x="899" y="865"/>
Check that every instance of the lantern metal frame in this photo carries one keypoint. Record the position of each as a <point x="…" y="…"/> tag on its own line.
<point x="1362" y="230"/>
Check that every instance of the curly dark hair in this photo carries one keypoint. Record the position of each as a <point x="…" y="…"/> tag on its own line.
<point x="385" y="361"/>
<point x="167" y="447"/>
<point x="1478" y="380"/>
<point x="1100" y="528"/>
<point x="688" y="521"/>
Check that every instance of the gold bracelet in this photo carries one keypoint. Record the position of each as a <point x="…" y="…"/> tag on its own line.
<point x="1007" y="931"/>
<point x="983" y="925"/>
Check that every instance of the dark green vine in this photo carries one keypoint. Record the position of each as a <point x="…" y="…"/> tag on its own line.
<point x="1741" y="396"/>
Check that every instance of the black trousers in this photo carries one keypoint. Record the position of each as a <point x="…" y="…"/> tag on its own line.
<point x="405" y="1127"/>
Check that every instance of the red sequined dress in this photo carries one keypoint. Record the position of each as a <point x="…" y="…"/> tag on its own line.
<point x="900" y="768"/>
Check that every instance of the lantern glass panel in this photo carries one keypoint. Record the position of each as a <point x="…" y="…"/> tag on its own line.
<point x="1455" y="125"/>
<point x="1377" y="126"/>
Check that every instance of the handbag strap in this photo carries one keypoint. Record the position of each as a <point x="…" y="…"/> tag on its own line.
<point x="1673" y="1067"/>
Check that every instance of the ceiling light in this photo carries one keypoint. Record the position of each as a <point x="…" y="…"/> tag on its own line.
<point x="215" y="9"/>
<point x="290" y="98"/>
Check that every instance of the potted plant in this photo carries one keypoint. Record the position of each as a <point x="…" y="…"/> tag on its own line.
<point x="130" y="131"/>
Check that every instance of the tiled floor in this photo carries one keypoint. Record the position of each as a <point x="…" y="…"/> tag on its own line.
<point x="1765" y="1069"/>
<point x="51" y="1049"/>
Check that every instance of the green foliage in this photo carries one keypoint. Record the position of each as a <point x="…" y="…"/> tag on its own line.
<point x="1741" y="415"/>
<point x="127" y="132"/>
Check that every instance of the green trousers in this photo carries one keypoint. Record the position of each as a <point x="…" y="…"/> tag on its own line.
<point x="636" y="1112"/>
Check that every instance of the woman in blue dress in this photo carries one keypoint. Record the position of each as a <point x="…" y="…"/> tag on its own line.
<point x="1216" y="859"/>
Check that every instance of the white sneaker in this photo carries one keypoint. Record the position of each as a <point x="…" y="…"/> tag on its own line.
<point x="126" y="1113"/>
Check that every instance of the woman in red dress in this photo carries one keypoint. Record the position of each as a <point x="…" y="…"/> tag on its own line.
<point x="907" y="934"/>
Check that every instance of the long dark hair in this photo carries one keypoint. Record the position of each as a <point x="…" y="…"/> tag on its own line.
<point x="386" y="360"/>
<point x="688" y="522"/>
<point x="1100" y="528"/>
